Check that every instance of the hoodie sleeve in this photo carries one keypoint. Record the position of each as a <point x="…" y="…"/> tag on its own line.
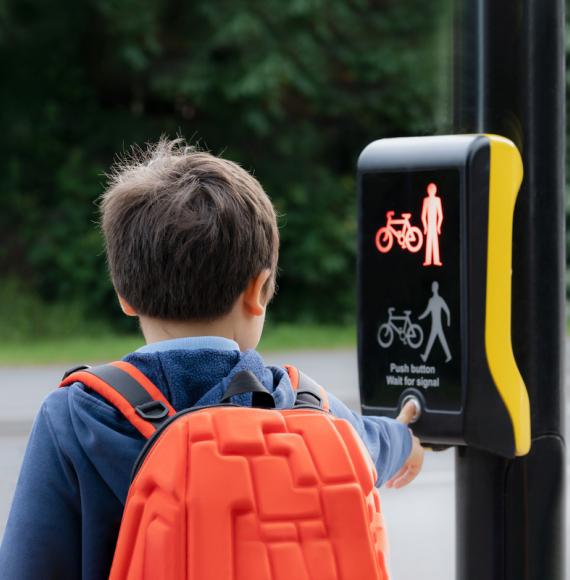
<point x="42" y="538"/>
<point x="388" y="441"/>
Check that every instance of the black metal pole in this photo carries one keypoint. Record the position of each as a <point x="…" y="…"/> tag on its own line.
<point x="509" y="80"/>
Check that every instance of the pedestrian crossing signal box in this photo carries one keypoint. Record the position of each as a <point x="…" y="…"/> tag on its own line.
<point x="435" y="223"/>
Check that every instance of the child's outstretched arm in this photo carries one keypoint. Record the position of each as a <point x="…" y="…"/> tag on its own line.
<point x="396" y="453"/>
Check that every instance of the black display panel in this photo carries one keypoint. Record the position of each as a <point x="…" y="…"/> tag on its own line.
<point x="410" y="316"/>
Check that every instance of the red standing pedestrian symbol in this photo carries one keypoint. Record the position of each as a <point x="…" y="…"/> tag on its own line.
<point x="432" y="218"/>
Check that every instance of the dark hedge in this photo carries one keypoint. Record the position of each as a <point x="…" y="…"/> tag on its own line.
<point x="292" y="89"/>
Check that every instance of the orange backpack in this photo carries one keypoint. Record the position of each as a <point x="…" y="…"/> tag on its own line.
<point x="243" y="493"/>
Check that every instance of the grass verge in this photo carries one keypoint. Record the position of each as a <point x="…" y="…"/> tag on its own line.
<point x="90" y="349"/>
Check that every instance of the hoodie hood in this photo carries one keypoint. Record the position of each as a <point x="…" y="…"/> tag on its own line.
<point x="195" y="378"/>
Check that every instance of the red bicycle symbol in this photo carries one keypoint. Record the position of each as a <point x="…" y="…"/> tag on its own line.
<point x="408" y="236"/>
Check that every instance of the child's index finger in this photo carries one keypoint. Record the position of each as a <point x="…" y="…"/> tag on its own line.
<point x="409" y="412"/>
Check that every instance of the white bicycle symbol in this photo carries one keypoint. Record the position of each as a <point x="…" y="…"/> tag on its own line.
<point x="409" y="333"/>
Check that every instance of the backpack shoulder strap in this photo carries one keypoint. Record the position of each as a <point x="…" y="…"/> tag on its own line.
<point x="308" y="392"/>
<point x="128" y="390"/>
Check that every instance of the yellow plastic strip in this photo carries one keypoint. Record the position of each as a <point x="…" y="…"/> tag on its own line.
<point x="505" y="179"/>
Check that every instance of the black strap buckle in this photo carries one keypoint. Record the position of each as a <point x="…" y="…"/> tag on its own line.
<point x="74" y="370"/>
<point x="306" y="397"/>
<point x="309" y="393"/>
<point x="152" y="410"/>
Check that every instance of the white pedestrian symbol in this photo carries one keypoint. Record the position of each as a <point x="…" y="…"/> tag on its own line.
<point x="435" y="307"/>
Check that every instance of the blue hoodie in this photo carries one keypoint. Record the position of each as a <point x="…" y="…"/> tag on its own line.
<point x="73" y="484"/>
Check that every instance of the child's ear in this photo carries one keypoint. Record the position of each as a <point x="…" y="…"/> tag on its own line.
<point x="126" y="307"/>
<point x="253" y="296"/>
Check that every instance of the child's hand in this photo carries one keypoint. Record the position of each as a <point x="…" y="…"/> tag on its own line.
<point x="415" y="460"/>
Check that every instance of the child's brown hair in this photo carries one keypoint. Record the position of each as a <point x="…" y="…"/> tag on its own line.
<point x="185" y="232"/>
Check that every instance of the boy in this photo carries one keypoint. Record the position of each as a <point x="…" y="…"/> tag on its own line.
<point x="192" y="246"/>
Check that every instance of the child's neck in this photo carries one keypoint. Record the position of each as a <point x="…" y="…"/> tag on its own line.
<point x="155" y="330"/>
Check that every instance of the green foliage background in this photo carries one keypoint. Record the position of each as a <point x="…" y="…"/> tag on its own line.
<point x="292" y="90"/>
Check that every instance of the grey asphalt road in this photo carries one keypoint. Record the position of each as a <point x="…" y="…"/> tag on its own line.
<point x="420" y="518"/>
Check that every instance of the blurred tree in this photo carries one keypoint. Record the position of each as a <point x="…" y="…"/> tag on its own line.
<point x="292" y="90"/>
